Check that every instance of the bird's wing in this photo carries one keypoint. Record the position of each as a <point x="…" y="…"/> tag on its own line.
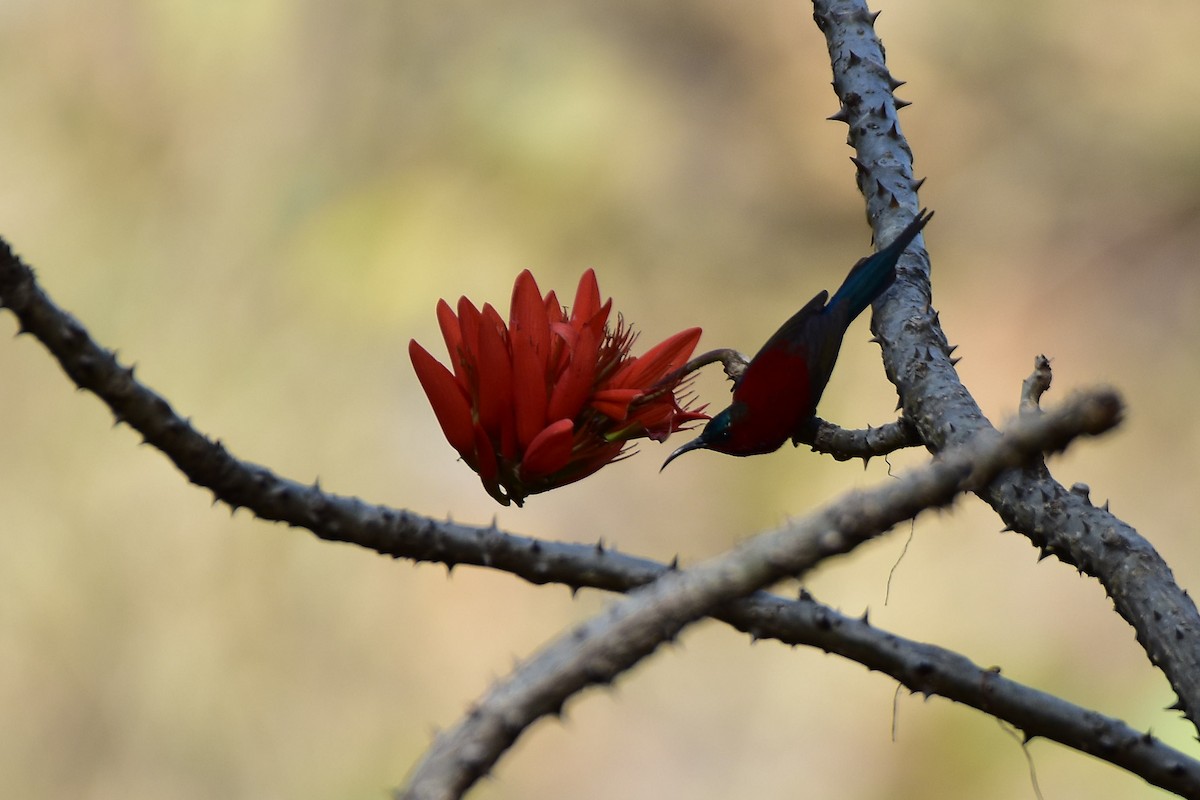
<point x="792" y="331"/>
<point x="810" y="340"/>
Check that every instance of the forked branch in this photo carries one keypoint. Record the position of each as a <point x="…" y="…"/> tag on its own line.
<point x="633" y="627"/>
<point x="918" y="360"/>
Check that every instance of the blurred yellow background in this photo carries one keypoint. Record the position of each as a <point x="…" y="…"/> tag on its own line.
<point x="260" y="203"/>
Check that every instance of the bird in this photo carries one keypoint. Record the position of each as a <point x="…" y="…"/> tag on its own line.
<point x="777" y="394"/>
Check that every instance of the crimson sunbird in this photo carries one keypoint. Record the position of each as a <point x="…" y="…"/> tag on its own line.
<point x="778" y="392"/>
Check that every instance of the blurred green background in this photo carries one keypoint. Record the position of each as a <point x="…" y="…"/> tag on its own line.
<point x="260" y="203"/>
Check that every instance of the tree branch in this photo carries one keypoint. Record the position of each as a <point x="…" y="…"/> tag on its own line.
<point x="844" y="444"/>
<point x="1036" y="385"/>
<point x="917" y="358"/>
<point x="633" y="627"/>
<point x="733" y="362"/>
<point x="921" y="667"/>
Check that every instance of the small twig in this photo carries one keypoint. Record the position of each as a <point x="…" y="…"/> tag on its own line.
<point x="633" y="627"/>
<point x="734" y="363"/>
<point x="844" y="444"/>
<point x="1037" y="384"/>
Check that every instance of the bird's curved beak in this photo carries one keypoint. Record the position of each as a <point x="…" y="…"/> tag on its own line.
<point x="695" y="444"/>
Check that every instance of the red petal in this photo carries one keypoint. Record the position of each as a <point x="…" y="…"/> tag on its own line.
<point x="452" y="334"/>
<point x="669" y="354"/>
<point x="575" y="383"/>
<point x="550" y="450"/>
<point x="614" y="403"/>
<point x="587" y="299"/>
<point x="468" y="325"/>
<point x="660" y="419"/>
<point x="598" y="459"/>
<point x="528" y="309"/>
<point x="554" y="309"/>
<point x="529" y="337"/>
<point x="495" y="378"/>
<point x="485" y="460"/>
<point x="570" y="339"/>
<point x="447" y="397"/>
<point x="530" y="393"/>
<point x="598" y="320"/>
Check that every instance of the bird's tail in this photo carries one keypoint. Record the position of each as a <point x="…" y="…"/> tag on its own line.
<point x="872" y="275"/>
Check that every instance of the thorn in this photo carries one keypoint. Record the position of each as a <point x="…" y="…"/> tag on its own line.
<point x="954" y="361"/>
<point x="894" y="203"/>
<point x="855" y="59"/>
<point x="918" y="183"/>
<point x="599" y="547"/>
<point x="875" y="16"/>
<point x="894" y="131"/>
<point x="895" y="83"/>
<point x="841" y="115"/>
<point x="1105" y="506"/>
<point x="950" y="349"/>
<point x="880" y="189"/>
<point x="674" y="565"/>
<point x="449" y="568"/>
<point x="860" y="169"/>
<point x="901" y="103"/>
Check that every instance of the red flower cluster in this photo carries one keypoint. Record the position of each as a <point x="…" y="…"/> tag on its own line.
<point x="549" y="398"/>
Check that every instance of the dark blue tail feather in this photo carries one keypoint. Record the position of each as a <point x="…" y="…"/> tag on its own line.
<point x="874" y="274"/>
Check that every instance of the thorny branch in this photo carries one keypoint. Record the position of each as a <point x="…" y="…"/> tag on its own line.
<point x="843" y="444"/>
<point x="918" y="360"/>
<point x="633" y="627"/>
<point x="937" y="407"/>
<point x="402" y="534"/>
